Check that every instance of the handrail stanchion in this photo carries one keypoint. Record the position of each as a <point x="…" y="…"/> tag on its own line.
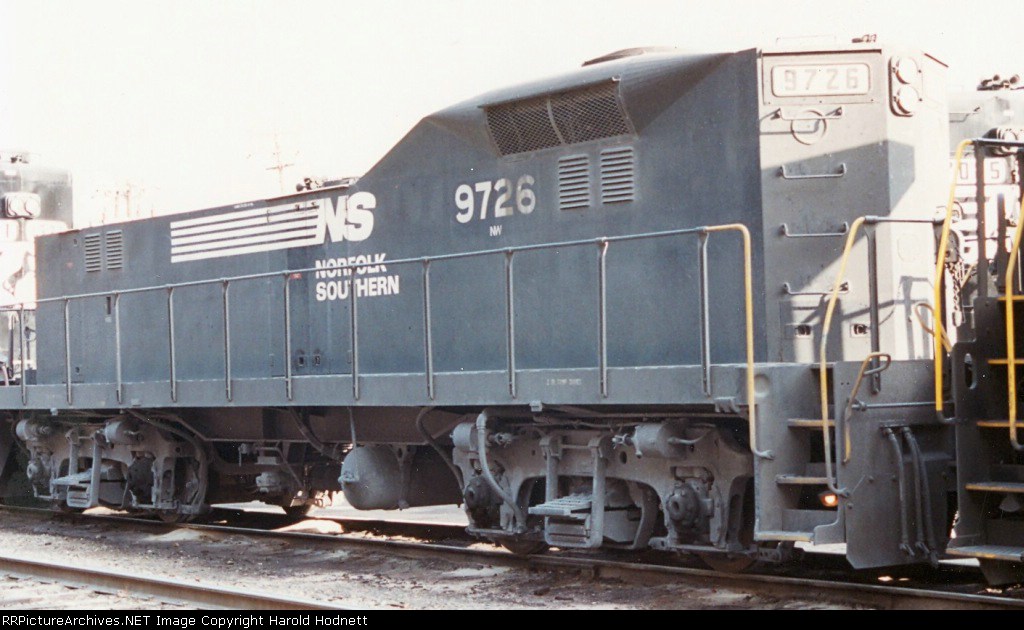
<point x="172" y="348"/>
<point x="510" y="320"/>
<point x="117" y="347"/>
<point x="879" y="362"/>
<point x="748" y="298"/>
<point x="1011" y="336"/>
<point x="354" y="313"/>
<point x="227" y="339"/>
<point x="602" y="314"/>
<point x="428" y="334"/>
<point x="705" y="319"/>
<point x="67" y="346"/>
<point x="288" y="384"/>
<point x="940" y="266"/>
<point x="980" y="197"/>
<point x="21" y="351"/>
<point x="822" y="357"/>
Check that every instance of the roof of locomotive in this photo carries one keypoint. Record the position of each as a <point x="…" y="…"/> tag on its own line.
<point x="641" y="67"/>
<point x="644" y="67"/>
<point x="647" y="83"/>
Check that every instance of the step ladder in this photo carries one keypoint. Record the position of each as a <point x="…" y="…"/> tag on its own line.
<point x="798" y="522"/>
<point x="77" y="489"/>
<point x="992" y="490"/>
<point x="575" y="520"/>
<point x="80" y="489"/>
<point x="989" y="465"/>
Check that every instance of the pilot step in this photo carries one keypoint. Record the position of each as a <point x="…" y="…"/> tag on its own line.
<point x="573" y="506"/>
<point x="989" y="552"/>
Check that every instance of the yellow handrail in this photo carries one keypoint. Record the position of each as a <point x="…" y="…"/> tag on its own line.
<point x="946" y="344"/>
<point x="748" y="288"/>
<point x="1011" y="341"/>
<point x="940" y="266"/>
<point x="938" y="332"/>
<point x="825" y="326"/>
<point x="885" y="360"/>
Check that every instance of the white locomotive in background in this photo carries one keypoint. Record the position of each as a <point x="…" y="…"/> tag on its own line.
<point x="34" y="200"/>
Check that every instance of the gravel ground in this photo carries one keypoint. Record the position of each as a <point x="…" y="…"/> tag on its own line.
<point x="360" y="579"/>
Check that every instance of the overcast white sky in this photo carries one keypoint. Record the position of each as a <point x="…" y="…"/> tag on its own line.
<point x="184" y="98"/>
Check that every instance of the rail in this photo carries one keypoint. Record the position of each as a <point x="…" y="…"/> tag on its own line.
<point x="202" y="595"/>
<point x="426" y="263"/>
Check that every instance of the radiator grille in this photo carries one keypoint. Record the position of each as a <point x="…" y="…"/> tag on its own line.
<point x="552" y="120"/>
<point x="589" y="114"/>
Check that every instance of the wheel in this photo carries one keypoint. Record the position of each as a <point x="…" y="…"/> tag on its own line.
<point x="15" y="487"/>
<point x="743" y="538"/>
<point x="173" y="517"/>
<point x="188" y="483"/>
<point x="523" y="546"/>
<point x="312" y="500"/>
<point x="298" y="511"/>
<point x="62" y="507"/>
<point x="727" y="563"/>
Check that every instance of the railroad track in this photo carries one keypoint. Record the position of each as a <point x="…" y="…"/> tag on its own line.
<point x="951" y="587"/>
<point x="49" y="586"/>
<point x="20" y="591"/>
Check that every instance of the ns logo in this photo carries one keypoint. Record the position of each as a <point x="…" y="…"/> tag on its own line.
<point x="346" y="218"/>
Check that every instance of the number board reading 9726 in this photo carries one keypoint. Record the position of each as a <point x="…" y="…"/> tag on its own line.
<point x="833" y="79"/>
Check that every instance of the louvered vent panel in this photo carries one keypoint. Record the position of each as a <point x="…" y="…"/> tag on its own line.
<point x="93" y="252"/>
<point x="618" y="181"/>
<point x="114" y="249"/>
<point x="573" y="182"/>
<point x="553" y="120"/>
